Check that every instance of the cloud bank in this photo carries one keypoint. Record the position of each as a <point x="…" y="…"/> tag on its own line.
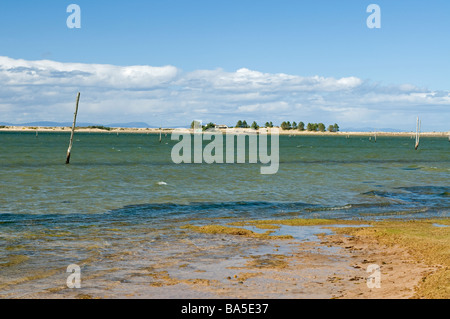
<point x="46" y="90"/>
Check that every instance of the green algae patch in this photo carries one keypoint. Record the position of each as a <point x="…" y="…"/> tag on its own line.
<point x="269" y="261"/>
<point x="14" y="260"/>
<point x="163" y="278"/>
<point x="424" y="241"/>
<point x="270" y="225"/>
<point x="295" y="222"/>
<point x="15" y="247"/>
<point x="224" y="230"/>
<point x="36" y="276"/>
<point x="267" y="226"/>
<point x="257" y="225"/>
<point x="243" y="276"/>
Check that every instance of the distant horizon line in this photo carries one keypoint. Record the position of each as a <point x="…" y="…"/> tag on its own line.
<point x="136" y="125"/>
<point x="89" y="126"/>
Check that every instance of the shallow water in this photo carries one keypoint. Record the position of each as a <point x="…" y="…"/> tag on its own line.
<point x="109" y="172"/>
<point x="122" y="198"/>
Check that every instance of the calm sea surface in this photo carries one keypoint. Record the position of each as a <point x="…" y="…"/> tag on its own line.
<point x="123" y="192"/>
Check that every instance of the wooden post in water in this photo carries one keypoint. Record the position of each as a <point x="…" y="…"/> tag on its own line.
<point x="73" y="129"/>
<point x="417" y="134"/>
<point x="160" y="131"/>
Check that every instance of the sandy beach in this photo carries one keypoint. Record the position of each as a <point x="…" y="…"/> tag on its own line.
<point x="412" y="256"/>
<point x="233" y="130"/>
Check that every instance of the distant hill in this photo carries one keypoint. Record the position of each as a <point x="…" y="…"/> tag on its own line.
<point x="370" y="129"/>
<point x="65" y="124"/>
<point x="131" y="125"/>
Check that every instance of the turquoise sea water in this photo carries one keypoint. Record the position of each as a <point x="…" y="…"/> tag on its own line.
<point x="124" y="193"/>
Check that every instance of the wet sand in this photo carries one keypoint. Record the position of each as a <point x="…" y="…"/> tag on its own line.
<point x="322" y="264"/>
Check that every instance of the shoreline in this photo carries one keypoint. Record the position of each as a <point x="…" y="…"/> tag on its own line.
<point x="44" y="129"/>
<point x="411" y="255"/>
<point x="335" y="266"/>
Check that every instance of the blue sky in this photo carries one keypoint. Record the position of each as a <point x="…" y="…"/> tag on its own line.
<point x="328" y="39"/>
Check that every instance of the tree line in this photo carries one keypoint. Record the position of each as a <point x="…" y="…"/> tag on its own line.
<point x="286" y="125"/>
<point x="312" y="127"/>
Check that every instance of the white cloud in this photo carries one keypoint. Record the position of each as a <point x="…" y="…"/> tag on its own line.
<point x="45" y="72"/>
<point x="45" y="90"/>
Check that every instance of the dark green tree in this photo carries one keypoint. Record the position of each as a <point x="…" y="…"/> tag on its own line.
<point x="239" y="123"/>
<point x="255" y="125"/>
<point x="301" y="126"/>
<point x="294" y="125"/>
<point x="336" y="127"/>
<point x="195" y="123"/>
<point x="244" y="124"/>
<point x="285" y="126"/>
<point x="321" y="127"/>
<point x="208" y="126"/>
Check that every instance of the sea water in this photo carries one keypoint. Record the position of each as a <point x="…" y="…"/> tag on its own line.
<point x="121" y="202"/>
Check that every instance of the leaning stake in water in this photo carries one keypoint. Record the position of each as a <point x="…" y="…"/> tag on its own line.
<point x="73" y="129"/>
<point x="416" y="146"/>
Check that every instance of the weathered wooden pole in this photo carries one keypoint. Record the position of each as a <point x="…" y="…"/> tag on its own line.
<point x="416" y="146"/>
<point x="73" y="129"/>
